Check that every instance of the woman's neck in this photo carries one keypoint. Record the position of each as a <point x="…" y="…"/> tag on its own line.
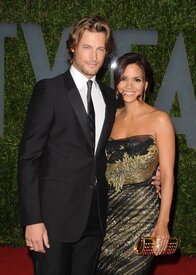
<point x="131" y="110"/>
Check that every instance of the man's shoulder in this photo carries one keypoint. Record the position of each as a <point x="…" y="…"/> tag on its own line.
<point x="52" y="83"/>
<point x="54" y="79"/>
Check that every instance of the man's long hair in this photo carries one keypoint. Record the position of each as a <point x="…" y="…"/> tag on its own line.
<point x="90" y="23"/>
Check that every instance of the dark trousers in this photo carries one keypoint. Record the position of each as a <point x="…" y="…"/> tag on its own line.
<point x="79" y="258"/>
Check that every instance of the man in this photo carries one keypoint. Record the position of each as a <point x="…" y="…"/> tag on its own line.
<point x="63" y="190"/>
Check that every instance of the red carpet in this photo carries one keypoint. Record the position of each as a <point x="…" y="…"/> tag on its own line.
<point x="16" y="261"/>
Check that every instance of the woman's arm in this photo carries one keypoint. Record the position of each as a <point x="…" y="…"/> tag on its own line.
<point x="165" y="139"/>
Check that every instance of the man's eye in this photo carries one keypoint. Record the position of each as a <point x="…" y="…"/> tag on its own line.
<point x="101" y="50"/>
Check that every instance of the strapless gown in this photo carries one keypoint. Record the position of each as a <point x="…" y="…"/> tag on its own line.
<point x="133" y="204"/>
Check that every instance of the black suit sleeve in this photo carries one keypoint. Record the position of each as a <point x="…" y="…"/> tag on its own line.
<point x="37" y="126"/>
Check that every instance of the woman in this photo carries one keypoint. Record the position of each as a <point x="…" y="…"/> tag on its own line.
<point x="141" y="139"/>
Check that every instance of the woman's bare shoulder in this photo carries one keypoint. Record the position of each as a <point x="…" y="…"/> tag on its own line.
<point x="161" y="122"/>
<point x="160" y="116"/>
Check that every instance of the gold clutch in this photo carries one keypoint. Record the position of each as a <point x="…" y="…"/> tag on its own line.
<point x="147" y="245"/>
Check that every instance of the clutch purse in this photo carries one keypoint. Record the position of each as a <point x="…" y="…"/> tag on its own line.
<point x="147" y="245"/>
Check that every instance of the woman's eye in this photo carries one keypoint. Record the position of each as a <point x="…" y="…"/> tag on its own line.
<point x="123" y="78"/>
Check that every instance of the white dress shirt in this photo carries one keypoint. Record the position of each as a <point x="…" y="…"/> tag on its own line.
<point x="97" y="98"/>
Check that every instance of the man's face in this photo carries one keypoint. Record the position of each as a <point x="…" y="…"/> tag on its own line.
<point x="90" y="53"/>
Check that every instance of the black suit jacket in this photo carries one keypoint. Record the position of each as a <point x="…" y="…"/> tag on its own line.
<point x="57" y="170"/>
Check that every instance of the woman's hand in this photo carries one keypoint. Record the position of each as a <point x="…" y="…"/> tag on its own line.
<point x="161" y="234"/>
<point x="156" y="181"/>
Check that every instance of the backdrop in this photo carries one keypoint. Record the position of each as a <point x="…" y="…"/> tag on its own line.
<point x="21" y="68"/>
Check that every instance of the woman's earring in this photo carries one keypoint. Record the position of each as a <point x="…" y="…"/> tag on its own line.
<point x="118" y="95"/>
<point x="143" y="95"/>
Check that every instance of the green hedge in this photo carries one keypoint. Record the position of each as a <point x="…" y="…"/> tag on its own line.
<point x="166" y="16"/>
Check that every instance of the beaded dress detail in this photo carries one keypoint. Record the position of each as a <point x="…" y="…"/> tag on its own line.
<point x="133" y="204"/>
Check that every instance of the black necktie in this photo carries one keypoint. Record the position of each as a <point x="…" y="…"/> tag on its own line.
<point x="91" y="113"/>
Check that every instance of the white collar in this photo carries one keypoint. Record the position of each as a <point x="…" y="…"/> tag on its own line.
<point x="79" y="79"/>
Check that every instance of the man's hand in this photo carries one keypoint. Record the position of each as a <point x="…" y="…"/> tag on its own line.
<point x="36" y="237"/>
<point x="156" y="181"/>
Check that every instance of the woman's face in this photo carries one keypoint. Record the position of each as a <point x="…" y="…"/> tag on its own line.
<point x="132" y="84"/>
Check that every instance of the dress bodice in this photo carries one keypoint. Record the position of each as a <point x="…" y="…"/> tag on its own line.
<point x="131" y="160"/>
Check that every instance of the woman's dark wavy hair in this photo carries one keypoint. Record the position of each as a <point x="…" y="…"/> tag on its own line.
<point x="133" y="58"/>
<point x="90" y="23"/>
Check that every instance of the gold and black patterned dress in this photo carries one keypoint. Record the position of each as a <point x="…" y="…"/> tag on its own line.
<point x="133" y="204"/>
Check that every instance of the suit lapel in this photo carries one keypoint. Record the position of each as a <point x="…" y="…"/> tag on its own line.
<point x="77" y="104"/>
<point x="79" y="109"/>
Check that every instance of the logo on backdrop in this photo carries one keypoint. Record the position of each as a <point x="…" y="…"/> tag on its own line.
<point x="176" y="81"/>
